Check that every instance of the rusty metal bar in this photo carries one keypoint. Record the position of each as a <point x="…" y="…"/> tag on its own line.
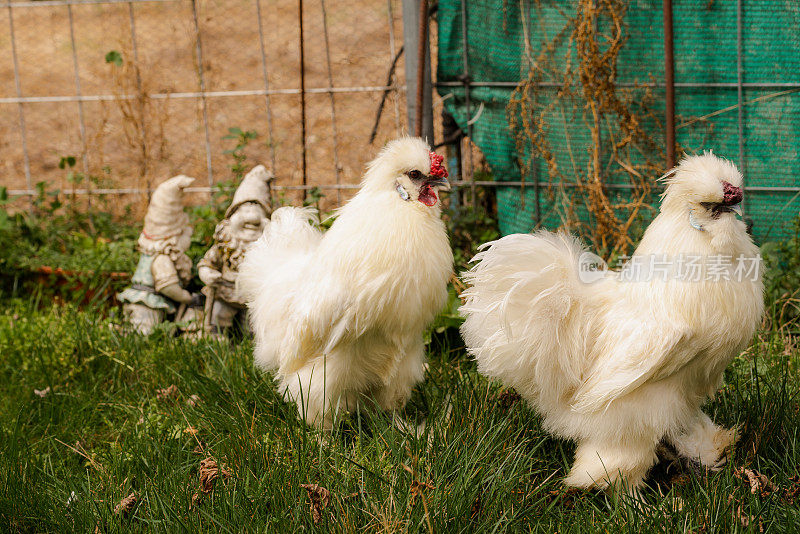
<point x="205" y="94"/>
<point x="204" y="104"/>
<point x="52" y="3"/>
<point x="740" y="89"/>
<point x="392" y="55"/>
<point x="81" y="118"/>
<point x="467" y="79"/>
<point x="412" y="51"/>
<point x="303" y="95"/>
<point x="633" y="85"/>
<point x="669" y="83"/>
<point x="336" y="164"/>
<point x="421" y="48"/>
<point x="267" y="102"/>
<point x="455" y="183"/>
<point x="18" y="86"/>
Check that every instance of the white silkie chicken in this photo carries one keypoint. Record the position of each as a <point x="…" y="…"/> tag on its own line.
<point x="619" y="361"/>
<point x="341" y="315"/>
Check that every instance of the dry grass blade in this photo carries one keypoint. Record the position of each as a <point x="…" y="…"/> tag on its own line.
<point x="418" y="489"/>
<point x="320" y="498"/>
<point x="476" y="507"/>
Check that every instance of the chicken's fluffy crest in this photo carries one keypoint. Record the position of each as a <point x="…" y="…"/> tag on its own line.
<point x="398" y="156"/>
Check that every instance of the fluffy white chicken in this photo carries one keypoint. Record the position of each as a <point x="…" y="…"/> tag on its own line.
<point x="341" y="315"/>
<point x="619" y="361"/>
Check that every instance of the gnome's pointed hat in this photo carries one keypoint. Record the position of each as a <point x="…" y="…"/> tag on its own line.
<point x="165" y="216"/>
<point x="254" y="188"/>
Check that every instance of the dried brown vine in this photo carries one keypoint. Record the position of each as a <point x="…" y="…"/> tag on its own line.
<point x="621" y="150"/>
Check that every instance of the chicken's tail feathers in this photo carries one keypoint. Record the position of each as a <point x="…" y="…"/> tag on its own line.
<point x="269" y="275"/>
<point x="521" y="305"/>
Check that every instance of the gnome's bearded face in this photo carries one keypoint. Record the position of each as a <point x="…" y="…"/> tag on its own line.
<point x="247" y="222"/>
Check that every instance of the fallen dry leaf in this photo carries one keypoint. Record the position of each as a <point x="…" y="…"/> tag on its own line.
<point x="191" y="431"/>
<point x="319" y="497"/>
<point x="126" y="505"/>
<point x="42" y="392"/>
<point x="567" y="496"/>
<point x="792" y="493"/>
<point x="746" y="520"/>
<point x="193" y="400"/>
<point x="209" y="472"/>
<point x="758" y="483"/>
<point x="168" y="393"/>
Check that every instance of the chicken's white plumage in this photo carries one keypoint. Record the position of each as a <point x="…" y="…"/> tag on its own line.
<point x="341" y="315"/>
<point x="619" y="365"/>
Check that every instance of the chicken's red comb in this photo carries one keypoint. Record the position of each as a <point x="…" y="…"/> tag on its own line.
<point x="437" y="169"/>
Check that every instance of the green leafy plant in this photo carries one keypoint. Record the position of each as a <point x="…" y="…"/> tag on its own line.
<point x="242" y="138"/>
<point x="782" y="277"/>
<point x="114" y="57"/>
<point x="469" y="227"/>
<point x="313" y="197"/>
<point x="62" y="237"/>
<point x="205" y="217"/>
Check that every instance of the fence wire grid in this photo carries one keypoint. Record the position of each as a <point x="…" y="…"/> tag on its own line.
<point x="139" y="90"/>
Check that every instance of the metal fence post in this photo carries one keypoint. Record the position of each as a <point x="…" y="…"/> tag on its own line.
<point x="333" y="104"/>
<point x="303" y="95"/>
<point x="392" y="54"/>
<point x="411" y="35"/>
<point x="467" y="79"/>
<point x="669" y="84"/>
<point x="140" y="96"/>
<point x="267" y="103"/>
<point x="740" y="89"/>
<point x="81" y="120"/>
<point x="204" y="103"/>
<point x="18" y="87"/>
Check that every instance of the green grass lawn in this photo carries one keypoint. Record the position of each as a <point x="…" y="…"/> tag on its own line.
<point x="104" y="430"/>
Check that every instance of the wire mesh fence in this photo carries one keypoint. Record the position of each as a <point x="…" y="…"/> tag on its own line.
<point x="113" y="96"/>
<point x="567" y="102"/>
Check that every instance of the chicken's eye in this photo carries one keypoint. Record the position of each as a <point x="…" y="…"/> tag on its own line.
<point x="414" y="175"/>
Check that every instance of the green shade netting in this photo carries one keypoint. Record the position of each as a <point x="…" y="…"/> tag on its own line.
<point x="705" y="52"/>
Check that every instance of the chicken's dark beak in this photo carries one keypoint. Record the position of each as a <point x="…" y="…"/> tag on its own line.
<point x="440" y="183"/>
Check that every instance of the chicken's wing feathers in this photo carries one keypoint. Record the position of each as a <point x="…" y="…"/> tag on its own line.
<point x="650" y="352"/>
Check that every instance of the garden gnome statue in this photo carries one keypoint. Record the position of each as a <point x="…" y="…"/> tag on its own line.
<point x="244" y="222"/>
<point x="164" y="269"/>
